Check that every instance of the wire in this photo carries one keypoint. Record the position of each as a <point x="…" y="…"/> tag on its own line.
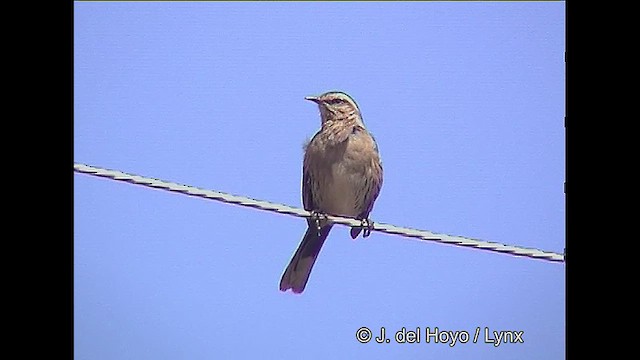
<point x="421" y="235"/>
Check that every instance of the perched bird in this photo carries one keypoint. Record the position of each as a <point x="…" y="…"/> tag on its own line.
<point x="341" y="175"/>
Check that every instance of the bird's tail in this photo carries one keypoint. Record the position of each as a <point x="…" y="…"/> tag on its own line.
<point x="296" y="275"/>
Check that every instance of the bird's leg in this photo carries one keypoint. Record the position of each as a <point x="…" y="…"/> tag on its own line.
<point x="367" y="226"/>
<point x="318" y="218"/>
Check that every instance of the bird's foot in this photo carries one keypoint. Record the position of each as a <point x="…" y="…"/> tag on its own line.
<point x="367" y="226"/>
<point x="318" y="218"/>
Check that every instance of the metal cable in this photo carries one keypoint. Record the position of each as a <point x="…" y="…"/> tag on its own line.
<point x="284" y="209"/>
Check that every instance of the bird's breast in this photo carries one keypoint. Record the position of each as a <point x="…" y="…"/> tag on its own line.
<point x="341" y="173"/>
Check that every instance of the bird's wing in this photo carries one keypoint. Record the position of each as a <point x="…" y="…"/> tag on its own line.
<point x="307" y="195"/>
<point x="371" y="195"/>
<point x="373" y="183"/>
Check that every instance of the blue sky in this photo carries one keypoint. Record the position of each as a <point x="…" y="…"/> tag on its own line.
<point x="466" y="101"/>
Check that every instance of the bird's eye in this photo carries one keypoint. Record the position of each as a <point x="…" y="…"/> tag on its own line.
<point x="333" y="101"/>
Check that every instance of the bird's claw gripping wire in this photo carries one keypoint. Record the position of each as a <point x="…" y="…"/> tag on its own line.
<point x="367" y="226"/>
<point x="318" y="218"/>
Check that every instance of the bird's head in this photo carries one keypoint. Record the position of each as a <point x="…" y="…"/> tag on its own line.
<point x="335" y="105"/>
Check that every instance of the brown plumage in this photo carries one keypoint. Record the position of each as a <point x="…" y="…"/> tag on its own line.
<point x="341" y="175"/>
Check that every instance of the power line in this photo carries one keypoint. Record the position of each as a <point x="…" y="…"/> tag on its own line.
<point x="421" y="235"/>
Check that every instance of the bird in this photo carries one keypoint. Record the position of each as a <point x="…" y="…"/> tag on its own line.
<point x="341" y="175"/>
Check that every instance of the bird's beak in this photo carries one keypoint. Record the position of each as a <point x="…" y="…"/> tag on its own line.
<point x="312" y="98"/>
